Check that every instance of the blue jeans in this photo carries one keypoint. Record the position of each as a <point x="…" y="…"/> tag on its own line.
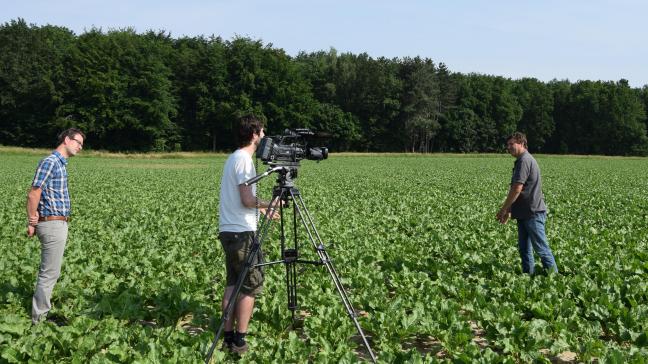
<point x="531" y="236"/>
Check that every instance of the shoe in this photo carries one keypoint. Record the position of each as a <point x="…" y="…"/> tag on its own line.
<point x="239" y="349"/>
<point x="57" y="320"/>
<point x="226" y="347"/>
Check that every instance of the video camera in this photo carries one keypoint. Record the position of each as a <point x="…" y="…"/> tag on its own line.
<point x="289" y="148"/>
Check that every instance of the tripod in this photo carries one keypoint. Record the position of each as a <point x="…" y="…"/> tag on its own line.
<point x="283" y="193"/>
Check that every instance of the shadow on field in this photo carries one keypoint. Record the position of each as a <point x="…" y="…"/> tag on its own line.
<point x="23" y="292"/>
<point x="170" y="307"/>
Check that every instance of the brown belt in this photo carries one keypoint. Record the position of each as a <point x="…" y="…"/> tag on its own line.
<point x="52" y="218"/>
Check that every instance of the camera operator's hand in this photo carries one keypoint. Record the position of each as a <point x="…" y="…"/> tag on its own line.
<point x="271" y="213"/>
<point x="277" y="202"/>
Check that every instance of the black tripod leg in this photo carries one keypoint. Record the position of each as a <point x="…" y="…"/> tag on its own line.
<point x="316" y="240"/>
<point x="291" y="269"/>
<point x="249" y="262"/>
<point x="291" y="284"/>
<point x="289" y="259"/>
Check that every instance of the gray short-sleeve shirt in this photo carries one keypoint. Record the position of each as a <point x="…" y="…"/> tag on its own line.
<point x="527" y="172"/>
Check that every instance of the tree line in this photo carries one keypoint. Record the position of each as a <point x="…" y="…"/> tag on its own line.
<point x="153" y="92"/>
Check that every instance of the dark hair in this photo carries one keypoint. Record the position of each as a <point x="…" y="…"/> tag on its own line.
<point x="69" y="133"/>
<point x="519" y="138"/>
<point x="248" y="126"/>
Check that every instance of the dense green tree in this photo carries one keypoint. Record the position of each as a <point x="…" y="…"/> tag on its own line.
<point x="448" y="91"/>
<point x="199" y="81"/>
<point x="141" y="92"/>
<point x="460" y="130"/>
<point x="492" y="101"/>
<point x="600" y="118"/>
<point x="339" y="130"/>
<point x="266" y="81"/>
<point x="505" y="110"/>
<point x="419" y="99"/>
<point x="319" y="69"/>
<point x="537" y="122"/>
<point x="459" y="126"/>
<point x="370" y="90"/>
<point x="643" y="95"/>
<point x="619" y="127"/>
<point x="420" y="103"/>
<point x="342" y="127"/>
<point x="120" y="91"/>
<point x="31" y="78"/>
<point x="558" y="142"/>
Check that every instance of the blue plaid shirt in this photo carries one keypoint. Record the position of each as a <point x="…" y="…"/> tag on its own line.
<point x="51" y="178"/>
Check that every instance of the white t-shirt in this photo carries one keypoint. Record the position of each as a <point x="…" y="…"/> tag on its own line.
<point x="233" y="216"/>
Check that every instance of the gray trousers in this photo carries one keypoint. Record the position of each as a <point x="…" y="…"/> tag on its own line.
<point x="52" y="235"/>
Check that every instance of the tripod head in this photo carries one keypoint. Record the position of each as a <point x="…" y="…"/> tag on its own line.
<point x="287" y="173"/>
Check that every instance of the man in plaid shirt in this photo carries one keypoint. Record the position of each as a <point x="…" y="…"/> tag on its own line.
<point x="48" y="213"/>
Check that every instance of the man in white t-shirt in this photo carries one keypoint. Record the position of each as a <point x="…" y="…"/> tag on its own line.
<point x="237" y="226"/>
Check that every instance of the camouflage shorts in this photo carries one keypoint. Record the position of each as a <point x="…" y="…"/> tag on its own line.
<point x="237" y="247"/>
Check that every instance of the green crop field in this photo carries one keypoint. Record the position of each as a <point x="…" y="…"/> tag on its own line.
<point x="413" y="237"/>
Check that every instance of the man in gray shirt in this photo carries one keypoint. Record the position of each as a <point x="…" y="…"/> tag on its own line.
<point x="525" y="203"/>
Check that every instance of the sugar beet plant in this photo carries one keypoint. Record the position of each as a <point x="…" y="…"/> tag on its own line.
<point x="414" y="238"/>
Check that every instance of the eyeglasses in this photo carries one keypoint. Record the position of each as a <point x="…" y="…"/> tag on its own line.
<point x="78" y="142"/>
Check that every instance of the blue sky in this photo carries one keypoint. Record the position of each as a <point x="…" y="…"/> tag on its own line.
<point x="568" y="39"/>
